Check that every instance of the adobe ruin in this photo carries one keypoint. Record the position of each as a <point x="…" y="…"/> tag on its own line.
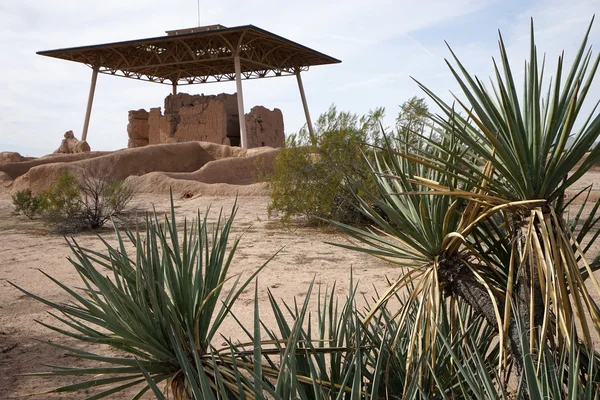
<point x="212" y="118"/>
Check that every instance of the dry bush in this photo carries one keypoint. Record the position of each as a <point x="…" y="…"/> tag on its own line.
<point x="85" y="201"/>
<point x="101" y="198"/>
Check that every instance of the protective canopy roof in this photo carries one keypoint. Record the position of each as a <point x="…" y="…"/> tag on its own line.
<point x="198" y="57"/>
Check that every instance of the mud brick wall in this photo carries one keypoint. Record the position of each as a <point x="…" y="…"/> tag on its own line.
<point x="264" y="127"/>
<point x="137" y="128"/>
<point x="204" y="118"/>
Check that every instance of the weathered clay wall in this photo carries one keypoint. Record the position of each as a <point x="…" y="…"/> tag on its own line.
<point x="174" y="103"/>
<point x="137" y="128"/>
<point x="204" y="118"/>
<point x="204" y="122"/>
<point x="264" y="127"/>
<point x="154" y="117"/>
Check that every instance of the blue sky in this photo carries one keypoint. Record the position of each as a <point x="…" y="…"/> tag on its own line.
<point x="381" y="43"/>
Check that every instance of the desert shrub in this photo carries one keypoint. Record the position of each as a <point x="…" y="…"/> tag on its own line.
<point x="27" y="204"/>
<point x="101" y="199"/>
<point x="311" y="175"/>
<point x="62" y="208"/>
<point x="85" y="202"/>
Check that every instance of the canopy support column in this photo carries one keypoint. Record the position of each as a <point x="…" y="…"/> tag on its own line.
<point x="305" y="105"/>
<point x="88" y="112"/>
<point x="174" y="88"/>
<point x="240" y="102"/>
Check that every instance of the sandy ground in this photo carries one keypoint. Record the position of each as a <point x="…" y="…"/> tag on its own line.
<point x="27" y="248"/>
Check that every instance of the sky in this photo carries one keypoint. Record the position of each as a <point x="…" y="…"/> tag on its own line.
<point x="381" y="43"/>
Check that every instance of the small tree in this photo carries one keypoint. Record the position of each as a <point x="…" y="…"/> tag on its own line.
<point x="413" y="125"/>
<point x="413" y="115"/>
<point x="310" y="178"/>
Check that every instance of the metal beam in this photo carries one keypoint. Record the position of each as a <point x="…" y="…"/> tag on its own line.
<point x="174" y="88"/>
<point x="199" y="61"/>
<point x="88" y="112"/>
<point x="306" y="112"/>
<point x="195" y="79"/>
<point x="240" y="101"/>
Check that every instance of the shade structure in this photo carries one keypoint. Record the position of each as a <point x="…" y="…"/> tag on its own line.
<point x="198" y="55"/>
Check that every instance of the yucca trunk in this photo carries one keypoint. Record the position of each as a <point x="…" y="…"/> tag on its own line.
<point x="528" y="297"/>
<point x="459" y="280"/>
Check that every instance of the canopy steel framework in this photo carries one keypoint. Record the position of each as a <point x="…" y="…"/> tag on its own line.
<point x="199" y="55"/>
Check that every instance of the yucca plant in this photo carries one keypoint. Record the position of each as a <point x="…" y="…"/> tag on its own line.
<point x="160" y="308"/>
<point x="526" y="143"/>
<point x="425" y="234"/>
<point x="371" y="359"/>
<point x="563" y="373"/>
<point x="335" y="355"/>
<point x="479" y="217"/>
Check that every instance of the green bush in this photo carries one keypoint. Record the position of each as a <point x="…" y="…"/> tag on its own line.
<point x="63" y="205"/>
<point x="311" y="175"/>
<point x="27" y="204"/>
<point x="73" y="204"/>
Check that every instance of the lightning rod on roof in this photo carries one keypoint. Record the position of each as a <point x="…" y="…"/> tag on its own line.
<point x="198" y="12"/>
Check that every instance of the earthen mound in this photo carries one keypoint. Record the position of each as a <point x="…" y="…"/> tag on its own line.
<point x="16" y="169"/>
<point x="158" y="182"/>
<point x="235" y="171"/>
<point x="221" y="177"/>
<point x="197" y="162"/>
<point x="7" y="157"/>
